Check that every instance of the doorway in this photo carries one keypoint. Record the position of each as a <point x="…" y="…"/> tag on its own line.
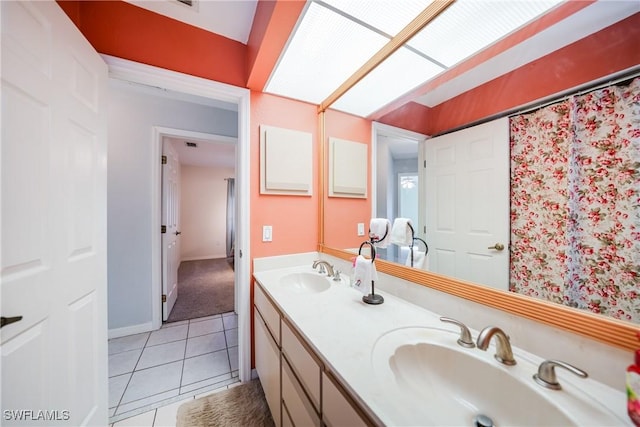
<point x="186" y="85"/>
<point x="396" y="160"/>
<point x="203" y="265"/>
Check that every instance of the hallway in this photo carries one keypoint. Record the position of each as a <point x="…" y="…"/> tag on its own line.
<point x="177" y="362"/>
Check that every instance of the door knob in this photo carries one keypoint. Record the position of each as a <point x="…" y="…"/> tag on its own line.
<point x="178" y="232"/>
<point x="497" y="247"/>
<point x="8" y="320"/>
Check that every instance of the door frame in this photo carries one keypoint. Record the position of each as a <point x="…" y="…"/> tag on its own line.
<point x="377" y="129"/>
<point x="122" y="69"/>
<point x="159" y="133"/>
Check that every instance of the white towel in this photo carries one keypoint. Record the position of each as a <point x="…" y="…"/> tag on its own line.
<point x="419" y="259"/>
<point x="364" y="272"/>
<point x="401" y="233"/>
<point x="379" y="228"/>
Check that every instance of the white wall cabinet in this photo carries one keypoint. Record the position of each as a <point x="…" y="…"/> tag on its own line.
<point x="297" y="389"/>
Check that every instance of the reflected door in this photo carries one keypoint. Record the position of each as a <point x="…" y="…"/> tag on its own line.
<point x="467" y="203"/>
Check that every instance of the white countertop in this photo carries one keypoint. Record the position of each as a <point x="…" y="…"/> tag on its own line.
<point x="344" y="331"/>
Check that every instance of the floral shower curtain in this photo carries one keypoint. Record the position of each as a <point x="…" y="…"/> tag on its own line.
<point x="575" y="202"/>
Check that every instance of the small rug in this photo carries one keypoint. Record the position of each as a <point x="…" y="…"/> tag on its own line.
<point x="243" y="405"/>
<point x="205" y="288"/>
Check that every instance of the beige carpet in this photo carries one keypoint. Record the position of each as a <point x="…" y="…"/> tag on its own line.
<point x="243" y="405"/>
<point x="205" y="288"/>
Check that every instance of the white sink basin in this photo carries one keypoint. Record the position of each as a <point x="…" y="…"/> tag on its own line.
<point x="303" y="282"/>
<point x="440" y="383"/>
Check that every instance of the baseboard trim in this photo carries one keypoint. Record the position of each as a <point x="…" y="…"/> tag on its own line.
<point x="130" y="330"/>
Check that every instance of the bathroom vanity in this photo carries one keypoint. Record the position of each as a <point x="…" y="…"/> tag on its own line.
<point x="325" y="357"/>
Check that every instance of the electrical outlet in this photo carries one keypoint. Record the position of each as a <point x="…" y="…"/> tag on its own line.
<point x="267" y="233"/>
<point x="361" y="229"/>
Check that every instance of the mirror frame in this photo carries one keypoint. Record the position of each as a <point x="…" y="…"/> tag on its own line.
<point x="607" y="330"/>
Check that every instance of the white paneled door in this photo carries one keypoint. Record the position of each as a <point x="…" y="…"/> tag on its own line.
<point x="170" y="232"/>
<point x="53" y="260"/>
<point x="467" y="198"/>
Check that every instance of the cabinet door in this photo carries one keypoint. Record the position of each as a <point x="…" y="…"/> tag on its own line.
<point x="269" y="313"/>
<point x="294" y="400"/>
<point x="336" y="409"/>
<point x="267" y="358"/>
<point x="302" y="363"/>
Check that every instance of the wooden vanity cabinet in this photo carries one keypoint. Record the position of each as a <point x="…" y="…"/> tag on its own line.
<point x="298" y="391"/>
<point x="267" y="351"/>
<point x="337" y="410"/>
<point x="295" y="402"/>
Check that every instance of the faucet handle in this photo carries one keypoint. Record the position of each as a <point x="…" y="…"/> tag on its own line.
<point x="465" y="339"/>
<point x="336" y="275"/>
<point x="546" y="375"/>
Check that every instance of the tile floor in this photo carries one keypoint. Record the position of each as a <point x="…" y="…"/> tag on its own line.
<point x="150" y="373"/>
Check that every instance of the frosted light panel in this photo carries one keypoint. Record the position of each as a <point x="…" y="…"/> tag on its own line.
<point x="326" y="49"/>
<point x="388" y="16"/>
<point x="400" y="73"/>
<point x="468" y="26"/>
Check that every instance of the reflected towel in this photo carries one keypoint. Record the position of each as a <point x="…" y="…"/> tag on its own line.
<point x="419" y="259"/>
<point x="379" y="228"/>
<point x="401" y="233"/>
<point x="364" y="271"/>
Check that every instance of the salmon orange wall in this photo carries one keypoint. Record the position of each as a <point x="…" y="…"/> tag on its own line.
<point x="341" y="215"/>
<point x="294" y="218"/>
<point x="121" y="29"/>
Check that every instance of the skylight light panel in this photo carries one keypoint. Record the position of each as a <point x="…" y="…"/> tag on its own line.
<point x="400" y="73"/>
<point x="469" y="26"/>
<point x="388" y="16"/>
<point x="325" y="50"/>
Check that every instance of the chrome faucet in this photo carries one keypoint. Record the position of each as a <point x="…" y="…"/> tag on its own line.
<point x="324" y="264"/>
<point x="465" y="339"/>
<point x="503" y="347"/>
<point x="546" y="375"/>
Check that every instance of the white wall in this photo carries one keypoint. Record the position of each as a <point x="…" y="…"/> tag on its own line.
<point x="203" y="212"/>
<point x="132" y="115"/>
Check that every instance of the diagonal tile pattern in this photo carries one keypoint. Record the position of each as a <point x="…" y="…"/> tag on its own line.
<point x="180" y="360"/>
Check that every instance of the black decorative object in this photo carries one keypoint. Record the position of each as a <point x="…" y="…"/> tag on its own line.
<point x="372" y="298"/>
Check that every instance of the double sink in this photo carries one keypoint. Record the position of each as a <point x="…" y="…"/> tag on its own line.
<point x="420" y="375"/>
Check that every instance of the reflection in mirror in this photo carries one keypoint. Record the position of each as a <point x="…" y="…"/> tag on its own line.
<point x="396" y="183"/>
<point x="460" y="98"/>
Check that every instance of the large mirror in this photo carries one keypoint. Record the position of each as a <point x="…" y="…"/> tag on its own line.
<point x="473" y="92"/>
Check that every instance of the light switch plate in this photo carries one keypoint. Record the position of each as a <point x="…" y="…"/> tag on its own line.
<point x="267" y="233"/>
<point x="361" y="229"/>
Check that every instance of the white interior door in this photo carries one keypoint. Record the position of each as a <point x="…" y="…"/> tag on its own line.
<point x="467" y="203"/>
<point x="170" y="216"/>
<point x="53" y="259"/>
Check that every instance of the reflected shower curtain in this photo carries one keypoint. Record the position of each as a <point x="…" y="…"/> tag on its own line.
<point x="575" y="202"/>
<point x="540" y="144"/>
<point x="231" y="216"/>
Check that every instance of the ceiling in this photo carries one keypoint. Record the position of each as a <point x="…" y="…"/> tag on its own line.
<point x="207" y="153"/>
<point x="230" y="18"/>
<point x="333" y="38"/>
